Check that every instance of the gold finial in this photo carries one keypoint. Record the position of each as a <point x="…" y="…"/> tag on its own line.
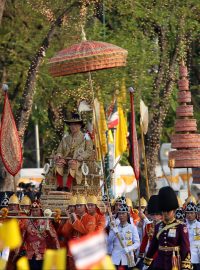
<point x="171" y="163"/>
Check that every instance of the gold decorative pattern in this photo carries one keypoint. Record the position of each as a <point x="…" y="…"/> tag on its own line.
<point x="10" y="145"/>
<point x="148" y="261"/>
<point x="186" y="264"/>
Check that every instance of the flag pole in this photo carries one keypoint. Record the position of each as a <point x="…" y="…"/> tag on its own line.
<point x="188" y="183"/>
<point x="145" y="161"/>
<point x="134" y="144"/>
<point x="171" y="163"/>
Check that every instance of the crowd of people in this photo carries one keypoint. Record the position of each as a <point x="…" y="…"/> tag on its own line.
<point x="155" y="235"/>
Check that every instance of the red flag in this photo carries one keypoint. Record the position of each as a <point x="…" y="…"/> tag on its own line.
<point x="10" y="145"/>
<point x="133" y="141"/>
<point x="88" y="250"/>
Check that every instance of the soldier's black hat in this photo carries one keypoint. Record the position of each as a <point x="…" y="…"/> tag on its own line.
<point x="105" y="198"/>
<point x="121" y="199"/>
<point x="167" y="199"/>
<point x="153" y="205"/>
<point x="191" y="207"/>
<point x="123" y="208"/>
<point x="179" y="214"/>
<point x="5" y="200"/>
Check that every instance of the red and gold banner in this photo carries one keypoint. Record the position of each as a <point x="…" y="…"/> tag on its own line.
<point x="10" y="145"/>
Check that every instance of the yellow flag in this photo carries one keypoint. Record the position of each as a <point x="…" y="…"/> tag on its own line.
<point x="23" y="264"/>
<point x="10" y="235"/>
<point x="2" y="264"/>
<point x="55" y="259"/>
<point x="110" y="137"/>
<point x="99" y="113"/>
<point x="105" y="264"/>
<point x="121" y="134"/>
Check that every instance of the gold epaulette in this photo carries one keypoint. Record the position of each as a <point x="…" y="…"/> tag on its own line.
<point x="186" y="264"/>
<point x="180" y="222"/>
<point x="148" y="261"/>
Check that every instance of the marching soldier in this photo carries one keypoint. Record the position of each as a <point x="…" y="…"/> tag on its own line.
<point x="38" y="235"/>
<point x="194" y="234"/>
<point x="94" y="211"/>
<point x="13" y="205"/>
<point x="129" y="236"/>
<point x="79" y="224"/>
<point x="14" y="210"/>
<point x="155" y="217"/>
<point x="170" y="238"/>
<point x="25" y="205"/>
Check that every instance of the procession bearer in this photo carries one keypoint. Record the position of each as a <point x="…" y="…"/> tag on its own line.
<point x="194" y="234"/>
<point x="170" y="238"/>
<point x="129" y="236"/>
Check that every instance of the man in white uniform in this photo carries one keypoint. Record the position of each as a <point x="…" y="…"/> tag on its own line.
<point x="194" y="234"/>
<point x="129" y="236"/>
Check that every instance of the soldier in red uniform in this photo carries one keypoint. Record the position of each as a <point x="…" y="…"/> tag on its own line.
<point x="79" y="224"/>
<point x="170" y="237"/>
<point x="94" y="211"/>
<point x="38" y="236"/>
<point x="155" y="217"/>
<point x="13" y="207"/>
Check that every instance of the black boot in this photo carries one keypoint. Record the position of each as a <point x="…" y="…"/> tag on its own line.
<point x="66" y="189"/>
<point x="59" y="188"/>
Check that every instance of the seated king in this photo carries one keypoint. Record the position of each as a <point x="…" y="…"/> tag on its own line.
<point x="74" y="149"/>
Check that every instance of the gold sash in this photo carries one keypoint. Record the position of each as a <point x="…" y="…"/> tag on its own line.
<point x="166" y="228"/>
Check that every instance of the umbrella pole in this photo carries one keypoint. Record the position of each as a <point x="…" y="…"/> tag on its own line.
<point x="145" y="161"/>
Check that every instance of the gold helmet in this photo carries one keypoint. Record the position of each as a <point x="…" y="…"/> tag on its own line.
<point x="13" y="199"/>
<point x="102" y="207"/>
<point x="180" y="203"/>
<point x="143" y="202"/>
<point x="129" y="202"/>
<point x="92" y="199"/>
<point x="72" y="201"/>
<point x="81" y="200"/>
<point x="25" y="200"/>
<point x="191" y="198"/>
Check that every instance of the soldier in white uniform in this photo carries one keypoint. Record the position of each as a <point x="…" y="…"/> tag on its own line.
<point x="194" y="234"/>
<point x="129" y="235"/>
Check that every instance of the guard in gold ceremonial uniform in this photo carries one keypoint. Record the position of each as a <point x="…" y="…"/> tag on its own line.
<point x="170" y="238"/>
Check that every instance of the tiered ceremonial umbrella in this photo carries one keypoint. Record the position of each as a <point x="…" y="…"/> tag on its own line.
<point x="87" y="56"/>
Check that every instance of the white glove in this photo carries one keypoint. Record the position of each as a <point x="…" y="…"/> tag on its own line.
<point x="126" y="249"/>
<point x="115" y="229"/>
<point x="145" y="267"/>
